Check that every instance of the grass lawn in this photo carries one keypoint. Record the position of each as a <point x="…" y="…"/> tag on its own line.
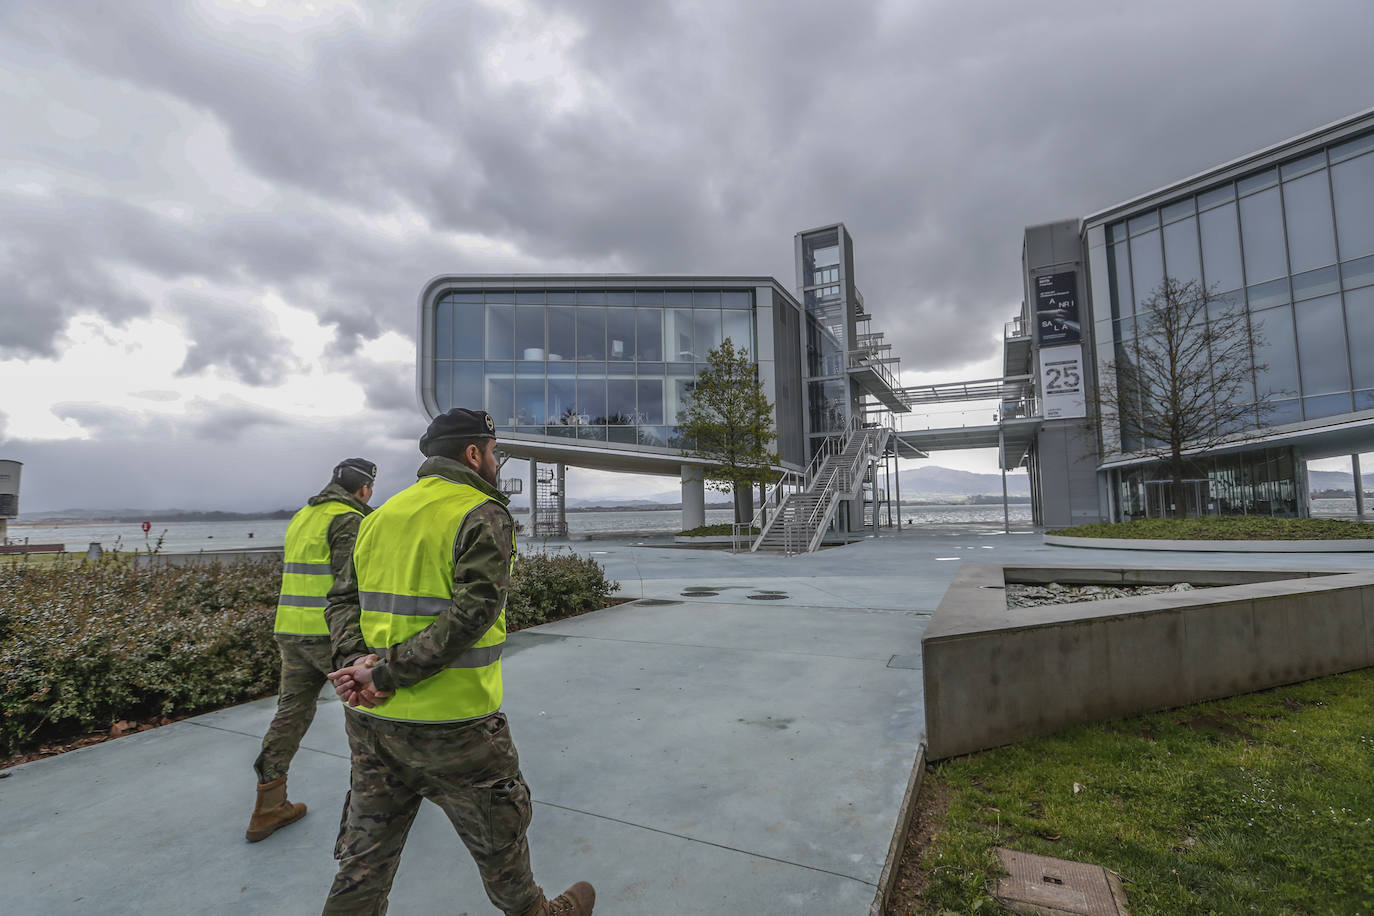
<point x="1230" y="528"/>
<point x="1256" y="804"/>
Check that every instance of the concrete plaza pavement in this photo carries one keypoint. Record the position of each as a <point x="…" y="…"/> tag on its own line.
<point x="692" y="754"/>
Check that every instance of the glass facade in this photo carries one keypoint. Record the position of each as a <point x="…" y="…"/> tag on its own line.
<point x="827" y="319"/>
<point x="1260" y="482"/>
<point x="1293" y="244"/>
<point x="600" y="365"/>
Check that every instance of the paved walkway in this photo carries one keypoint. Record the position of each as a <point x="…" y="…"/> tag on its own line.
<point x="688" y="754"/>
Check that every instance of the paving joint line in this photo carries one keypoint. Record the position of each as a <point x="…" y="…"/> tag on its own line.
<point x="690" y="839"/>
<point x="692" y="645"/>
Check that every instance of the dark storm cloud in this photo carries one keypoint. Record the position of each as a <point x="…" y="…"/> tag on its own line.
<point x="239" y="338"/>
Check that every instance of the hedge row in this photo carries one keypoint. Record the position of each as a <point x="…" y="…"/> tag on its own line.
<point x="1227" y="528"/>
<point x="83" y="645"/>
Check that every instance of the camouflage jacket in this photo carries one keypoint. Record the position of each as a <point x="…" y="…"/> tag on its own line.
<point x="481" y="580"/>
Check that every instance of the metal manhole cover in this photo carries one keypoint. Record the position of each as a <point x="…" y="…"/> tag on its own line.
<point x="1040" y="884"/>
<point x="770" y="596"/>
<point x="657" y="602"/>
<point x="700" y="594"/>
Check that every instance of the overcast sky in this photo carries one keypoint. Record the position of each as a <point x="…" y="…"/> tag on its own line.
<point x="215" y="218"/>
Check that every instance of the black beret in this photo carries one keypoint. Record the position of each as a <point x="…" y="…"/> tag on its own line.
<point x="458" y="423"/>
<point x="352" y="473"/>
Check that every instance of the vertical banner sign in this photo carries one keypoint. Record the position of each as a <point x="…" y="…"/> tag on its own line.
<point x="1056" y="308"/>
<point x="1061" y="383"/>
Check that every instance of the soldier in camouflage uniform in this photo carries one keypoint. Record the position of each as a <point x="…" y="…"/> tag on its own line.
<point x="323" y="531"/>
<point x="424" y="596"/>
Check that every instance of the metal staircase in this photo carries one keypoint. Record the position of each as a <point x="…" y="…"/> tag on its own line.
<point x="797" y="511"/>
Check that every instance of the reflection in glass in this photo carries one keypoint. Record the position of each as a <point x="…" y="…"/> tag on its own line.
<point x="1320" y="282"/>
<point x="1261" y="230"/>
<point x="1307" y="208"/>
<point x="591" y="332"/>
<point x="1182" y="260"/>
<point x="443" y="384"/>
<point x="678" y="393"/>
<point x="1267" y="295"/>
<point x="1352" y="183"/>
<point x="1119" y="270"/>
<point x="706" y="323"/>
<point x="1176" y="211"/>
<point x="1252" y="183"/>
<point x="529" y="331"/>
<point x="529" y="402"/>
<point x="467" y="384"/>
<point x="650" y="401"/>
<point x="1327" y="405"/>
<point x="500" y="332"/>
<point x="737" y="326"/>
<point x="467" y="326"/>
<point x="706" y="298"/>
<point x="736" y="299"/>
<point x="620" y="401"/>
<point x="562" y="333"/>
<point x="1220" y="247"/>
<point x="1147" y="267"/>
<point x="649" y="331"/>
<point x="1212" y="198"/>
<point x="501" y="400"/>
<point x="563" y="401"/>
<point x="1300" y="166"/>
<point x="677" y="334"/>
<point x="1359" y="319"/>
<point x="1357" y="273"/>
<point x="620" y="333"/>
<point x="1321" y="346"/>
<point x="443" y="329"/>
<point x="1276" y="348"/>
<point x="591" y="400"/>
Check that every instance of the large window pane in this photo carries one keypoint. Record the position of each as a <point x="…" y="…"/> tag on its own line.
<point x="1326" y="405"/>
<point x="736" y="299"/>
<point x="591" y="332"/>
<point x="737" y="326"/>
<point x="620" y="333"/>
<point x="1182" y="260"/>
<point x="620" y="401"/>
<point x="467" y="326"/>
<point x="649" y="331"/>
<point x="679" y="393"/>
<point x="677" y="335"/>
<point x="443" y="329"/>
<point x="1119" y="271"/>
<point x="562" y="332"/>
<point x="1352" y="183"/>
<point x="563" y="401"/>
<point x="500" y="332"/>
<point x="443" y="384"/>
<point x="1321" y="346"/>
<point x="529" y="402"/>
<point x="501" y="400"/>
<point x="650" y="401"/>
<point x="706" y="327"/>
<point x="591" y="400"/>
<point x="1220" y="247"/>
<point x="467" y="385"/>
<point x="529" y="332"/>
<point x="1274" y="327"/>
<point x="1359" y="319"/>
<point x="1261" y="230"/>
<point x="1147" y="266"/>
<point x="1307" y="208"/>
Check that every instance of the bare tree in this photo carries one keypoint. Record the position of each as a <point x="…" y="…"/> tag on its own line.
<point x="1187" y="384"/>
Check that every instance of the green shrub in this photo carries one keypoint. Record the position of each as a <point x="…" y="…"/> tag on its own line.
<point x="1229" y="528"/>
<point x="712" y="531"/>
<point x="83" y="645"/>
<point x="549" y="586"/>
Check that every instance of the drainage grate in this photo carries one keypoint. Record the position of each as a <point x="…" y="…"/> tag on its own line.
<point x="700" y="594"/>
<point x="767" y="596"/>
<point x="656" y="602"/>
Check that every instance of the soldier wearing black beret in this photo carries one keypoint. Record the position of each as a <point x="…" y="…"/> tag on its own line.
<point x="424" y="718"/>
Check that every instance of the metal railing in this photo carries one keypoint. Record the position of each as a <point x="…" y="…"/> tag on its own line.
<point x="773" y="498"/>
<point x="841" y="482"/>
<point x="867" y="359"/>
<point x="1016" y="328"/>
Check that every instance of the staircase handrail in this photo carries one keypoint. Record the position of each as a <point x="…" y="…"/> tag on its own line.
<point x="825" y="507"/>
<point x="774" y="496"/>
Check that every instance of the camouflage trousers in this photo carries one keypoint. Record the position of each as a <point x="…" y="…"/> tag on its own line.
<point x="470" y="770"/>
<point x="305" y="660"/>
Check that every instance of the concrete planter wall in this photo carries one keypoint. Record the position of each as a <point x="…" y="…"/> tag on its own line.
<point x="1356" y="545"/>
<point x="994" y="676"/>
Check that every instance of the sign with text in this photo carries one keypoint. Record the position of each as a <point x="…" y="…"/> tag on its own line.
<point x="1056" y="308"/>
<point x="1062" y="394"/>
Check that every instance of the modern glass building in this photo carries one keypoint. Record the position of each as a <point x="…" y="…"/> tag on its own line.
<point x="595" y="371"/>
<point x="1285" y="234"/>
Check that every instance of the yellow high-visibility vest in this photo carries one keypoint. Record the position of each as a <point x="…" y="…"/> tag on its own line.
<point x="404" y="565"/>
<point x="306" y="575"/>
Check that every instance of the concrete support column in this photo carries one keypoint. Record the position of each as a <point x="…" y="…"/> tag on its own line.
<point x="693" y="497"/>
<point x="1359" y="484"/>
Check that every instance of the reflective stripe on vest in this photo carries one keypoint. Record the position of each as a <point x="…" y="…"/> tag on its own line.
<point x="404" y="564"/>
<point x="306" y="575"/>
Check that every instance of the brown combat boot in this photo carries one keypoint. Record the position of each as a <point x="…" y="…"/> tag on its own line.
<point x="575" y="901"/>
<point x="273" y="811"/>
